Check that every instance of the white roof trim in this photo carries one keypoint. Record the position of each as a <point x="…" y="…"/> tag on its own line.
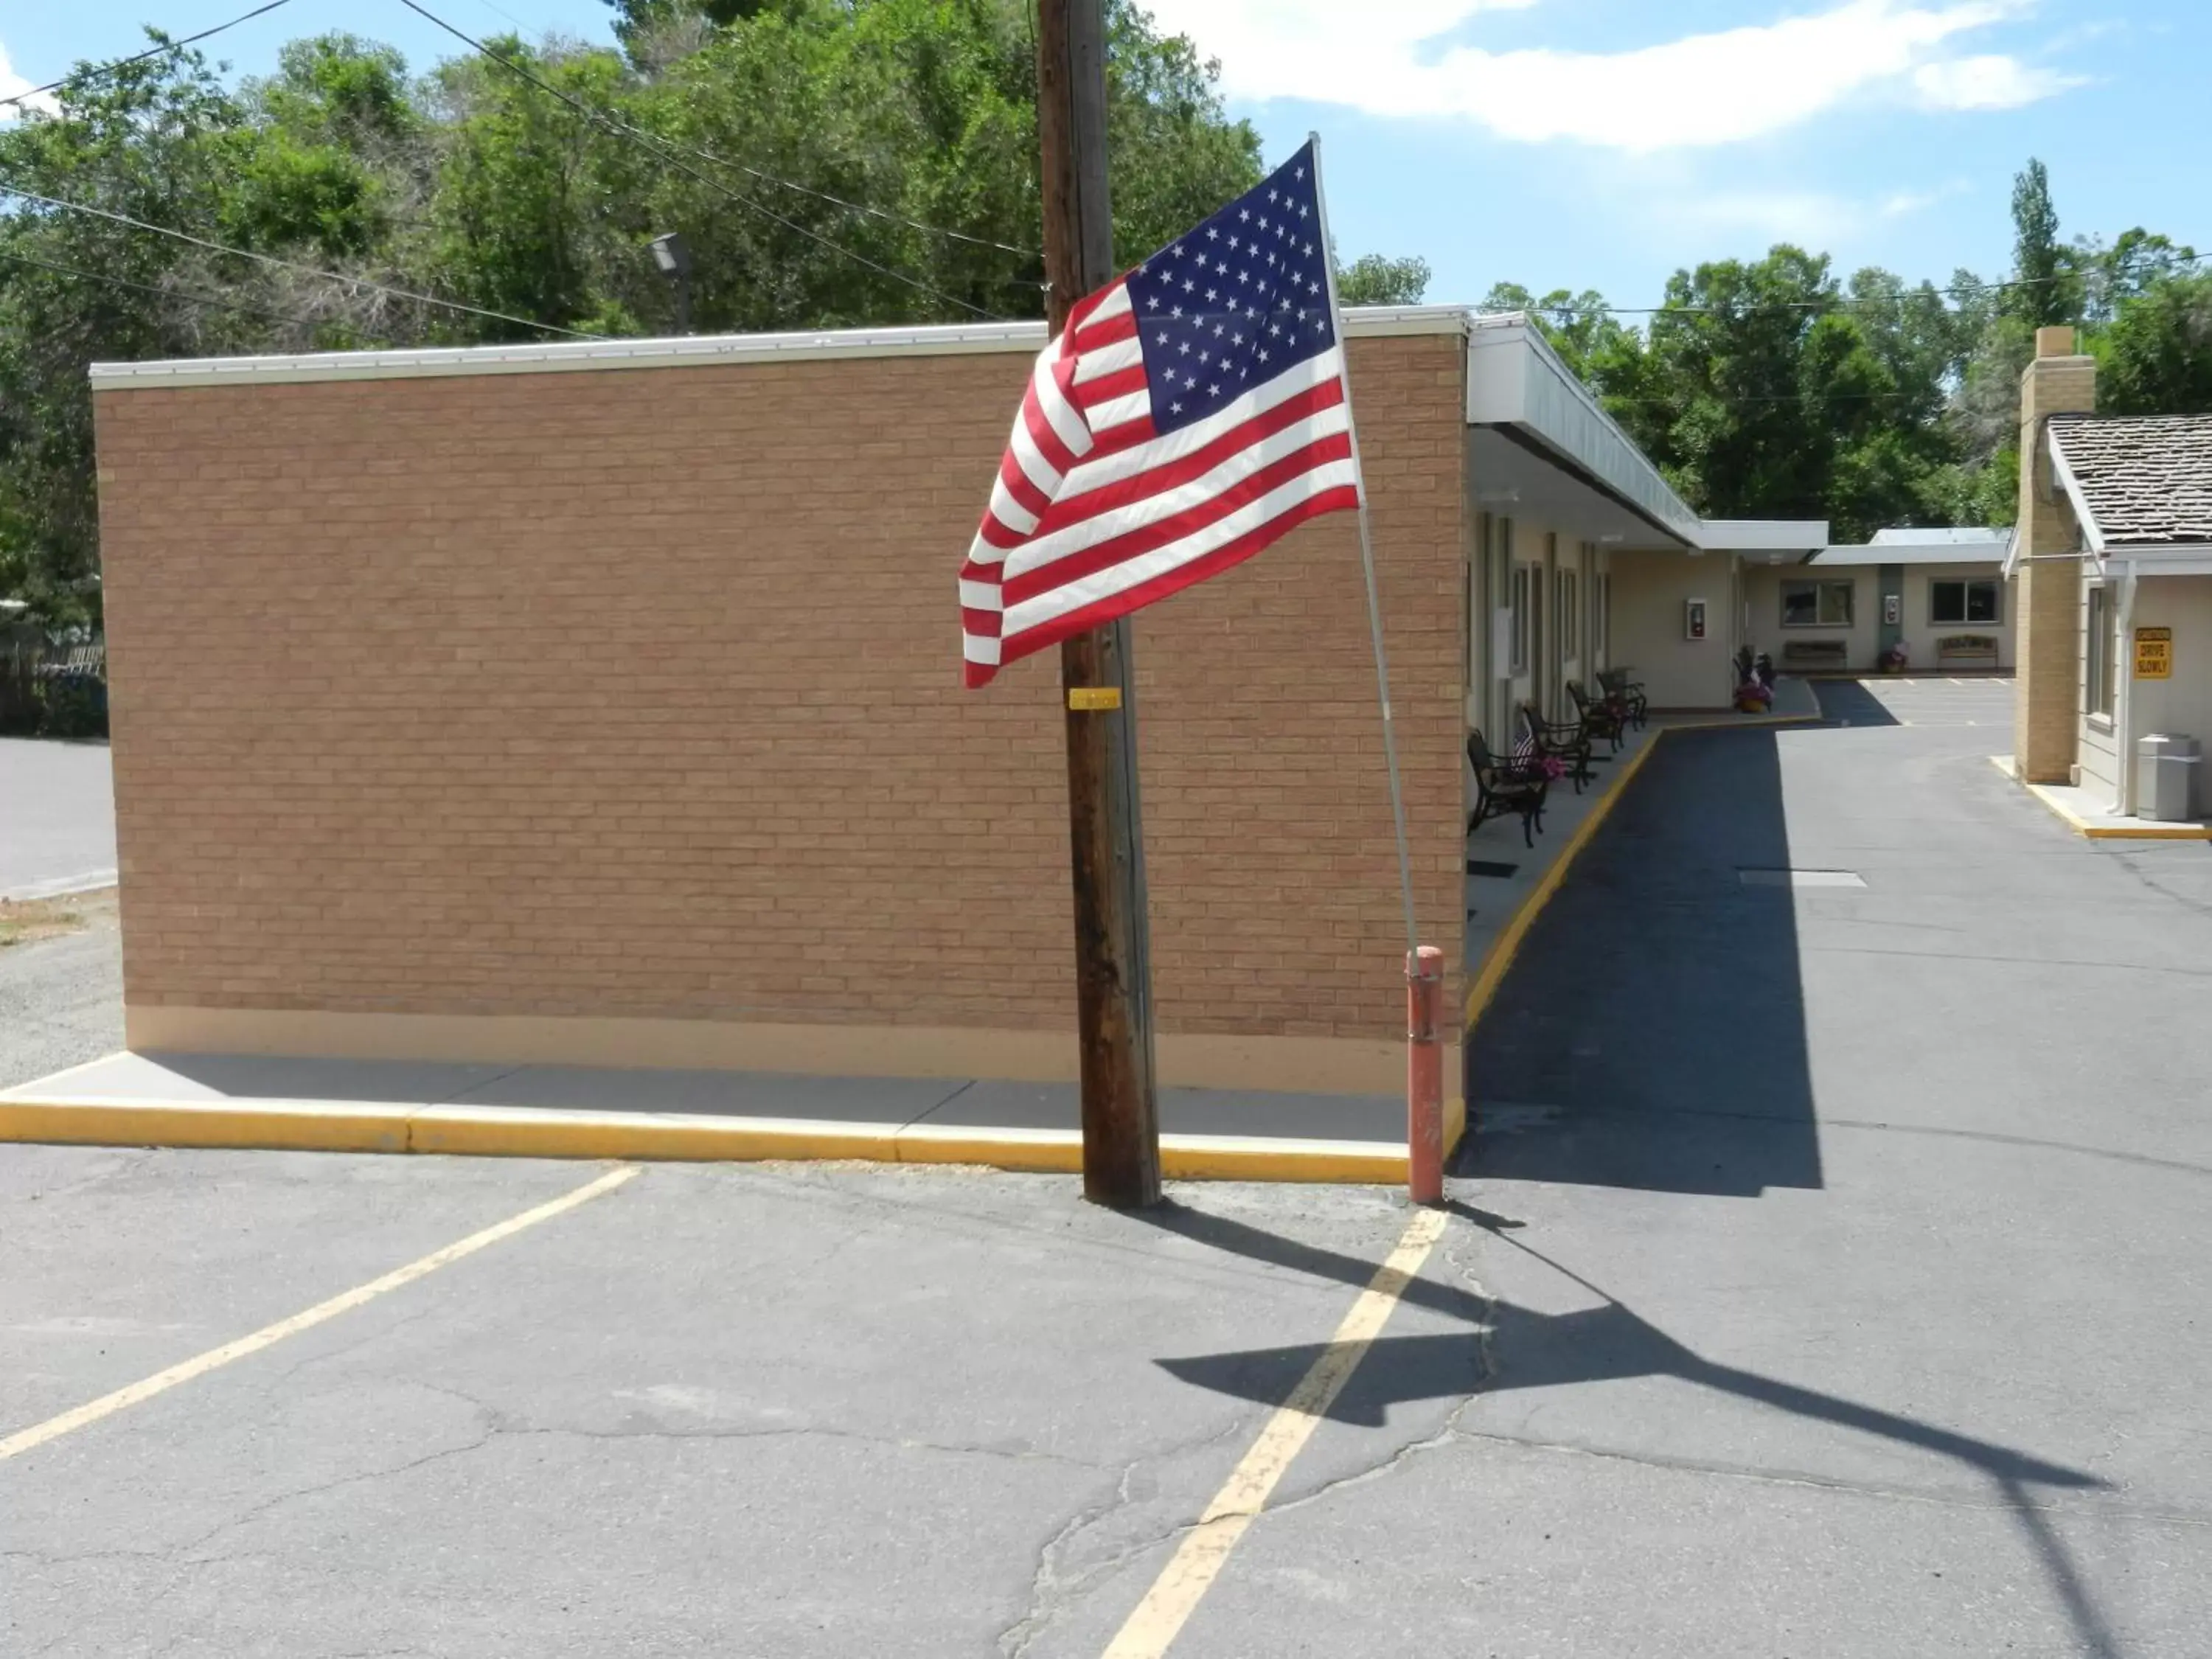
<point x="687" y="352"/>
<point x="1910" y="555"/>
<point x="1515" y="379"/>
<point x="2087" y="521"/>
<point x="2177" y="559"/>
<point x="1764" y="535"/>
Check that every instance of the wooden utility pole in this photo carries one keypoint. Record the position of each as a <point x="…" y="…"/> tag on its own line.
<point x="1113" y="955"/>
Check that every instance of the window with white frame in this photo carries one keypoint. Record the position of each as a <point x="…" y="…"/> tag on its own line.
<point x="1816" y="604"/>
<point x="1962" y="602"/>
<point x="1571" y="640"/>
<point x="1520" y="619"/>
<point x="2097" y="658"/>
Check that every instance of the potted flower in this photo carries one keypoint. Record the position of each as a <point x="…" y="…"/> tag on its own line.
<point x="1894" y="661"/>
<point x="1753" y="696"/>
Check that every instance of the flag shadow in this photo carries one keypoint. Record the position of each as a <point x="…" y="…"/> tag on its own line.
<point x="1503" y="1346"/>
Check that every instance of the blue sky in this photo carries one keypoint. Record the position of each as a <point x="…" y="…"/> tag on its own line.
<point x="1580" y="143"/>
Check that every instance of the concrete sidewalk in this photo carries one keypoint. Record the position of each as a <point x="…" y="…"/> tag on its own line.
<point x="2088" y="811"/>
<point x="330" y="1104"/>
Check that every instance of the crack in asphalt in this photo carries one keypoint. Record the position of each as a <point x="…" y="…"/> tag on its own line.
<point x="128" y="1160"/>
<point x="1053" y="1592"/>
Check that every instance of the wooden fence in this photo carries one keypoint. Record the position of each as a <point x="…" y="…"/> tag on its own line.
<point x="59" y="690"/>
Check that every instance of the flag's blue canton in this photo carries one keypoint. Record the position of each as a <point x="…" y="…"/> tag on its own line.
<point x="1236" y="301"/>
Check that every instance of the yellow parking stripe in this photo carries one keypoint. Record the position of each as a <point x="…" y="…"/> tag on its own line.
<point x="1176" y="1594"/>
<point x="107" y="1405"/>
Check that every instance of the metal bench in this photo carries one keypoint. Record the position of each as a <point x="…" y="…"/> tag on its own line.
<point x="1502" y="788"/>
<point x="1815" y="654"/>
<point x="1979" y="649"/>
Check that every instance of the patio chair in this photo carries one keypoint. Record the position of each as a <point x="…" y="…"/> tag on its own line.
<point x="1503" y="789"/>
<point x="1616" y="684"/>
<point x="1565" y="741"/>
<point x="1608" y="719"/>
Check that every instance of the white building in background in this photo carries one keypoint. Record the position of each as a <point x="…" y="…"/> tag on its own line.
<point x="1938" y="595"/>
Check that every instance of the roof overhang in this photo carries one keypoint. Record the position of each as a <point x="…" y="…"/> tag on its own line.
<point x="2166" y="559"/>
<point x="1516" y="385"/>
<point x="1801" y="536"/>
<point x="1911" y="555"/>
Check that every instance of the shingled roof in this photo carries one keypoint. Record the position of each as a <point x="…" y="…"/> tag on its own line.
<point x="2145" y="480"/>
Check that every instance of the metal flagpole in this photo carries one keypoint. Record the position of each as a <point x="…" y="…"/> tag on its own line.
<point x="1367" y="563"/>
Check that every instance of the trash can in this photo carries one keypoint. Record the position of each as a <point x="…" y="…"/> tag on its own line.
<point x="2165" y="777"/>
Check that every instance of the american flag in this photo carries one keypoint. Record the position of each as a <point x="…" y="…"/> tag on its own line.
<point x="1189" y="415"/>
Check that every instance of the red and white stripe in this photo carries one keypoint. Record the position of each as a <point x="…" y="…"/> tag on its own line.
<point x="1094" y="515"/>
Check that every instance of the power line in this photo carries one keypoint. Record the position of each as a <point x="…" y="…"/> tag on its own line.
<point x="156" y="288"/>
<point x="8" y="189"/>
<point x="166" y="48"/>
<point x="767" y="178"/>
<point x="661" y="148"/>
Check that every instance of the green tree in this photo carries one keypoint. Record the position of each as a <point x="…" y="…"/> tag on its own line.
<point x="2047" y="286"/>
<point x="159" y="140"/>
<point x="1373" y="279"/>
<point x="829" y="161"/>
<point x="2156" y="358"/>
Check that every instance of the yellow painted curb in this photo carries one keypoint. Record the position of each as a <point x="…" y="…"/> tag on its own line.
<point x="1501" y="954"/>
<point x="1037" y="1152"/>
<point x="519" y="1131"/>
<point x="1256" y="1158"/>
<point x="2081" y="826"/>
<point x="297" y="1125"/>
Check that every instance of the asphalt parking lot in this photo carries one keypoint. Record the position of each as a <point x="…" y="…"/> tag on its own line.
<point x="710" y="1409"/>
<point x="56" y="817"/>
<point x="1825" y="1277"/>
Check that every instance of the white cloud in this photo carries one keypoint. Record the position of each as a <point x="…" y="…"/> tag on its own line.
<point x="1987" y="82"/>
<point x="1919" y="201"/>
<point x="1704" y="89"/>
<point x="1809" y="216"/>
<point x="13" y="85"/>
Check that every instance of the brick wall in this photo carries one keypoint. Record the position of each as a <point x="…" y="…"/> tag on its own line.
<point x="635" y="693"/>
<point x="2047" y="607"/>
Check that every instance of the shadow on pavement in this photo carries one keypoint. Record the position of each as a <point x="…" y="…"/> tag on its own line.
<point x="1505" y="1346"/>
<point x="1655" y="990"/>
<point x="1848" y="702"/>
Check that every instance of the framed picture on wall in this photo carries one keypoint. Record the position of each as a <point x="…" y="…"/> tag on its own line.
<point x="1693" y="619"/>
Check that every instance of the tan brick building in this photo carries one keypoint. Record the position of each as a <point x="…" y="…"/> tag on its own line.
<point x="2110" y="564"/>
<point x="601" y="704"/>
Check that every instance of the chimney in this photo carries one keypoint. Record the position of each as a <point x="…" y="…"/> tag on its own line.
<point x="2047" y="591"/>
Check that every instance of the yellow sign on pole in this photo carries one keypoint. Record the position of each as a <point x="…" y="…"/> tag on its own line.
<point x="2154" y="653"/>
<point x="1094" y="697"/>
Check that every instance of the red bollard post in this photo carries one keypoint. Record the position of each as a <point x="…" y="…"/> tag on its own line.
<point x="1425" y="1075"/>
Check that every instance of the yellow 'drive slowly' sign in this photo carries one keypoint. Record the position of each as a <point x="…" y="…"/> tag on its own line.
<point x="2154" y="653"/>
